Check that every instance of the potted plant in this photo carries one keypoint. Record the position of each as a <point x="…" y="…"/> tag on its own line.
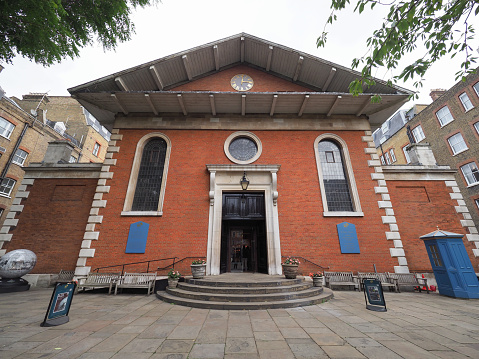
<point x="173" y="277"/>
<point x="290" y="267"/>
<point x="317" y="278"/>
<point x="198" y="268"/>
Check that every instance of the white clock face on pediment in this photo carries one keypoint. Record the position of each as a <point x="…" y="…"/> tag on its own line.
<point x="242" y="82"/>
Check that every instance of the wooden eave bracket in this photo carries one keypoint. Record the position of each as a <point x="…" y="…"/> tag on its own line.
<point x="335" y="103"/>
<point x="186" y="63"/>
<point x="243" y="105"/>
<point x="273" y="105"/>
<point x="329" y="79"/>
<point x="182" y="104"/>
<point x="303" y="106"/>
<point x="156" y="77"/>
<point x="217" y="57"/>
<point x="242" y="49"/>
<point x="121" y="84"/>
<point x="117" y="101"/>
<point x="148" y="99"/>
<point x="298" y="68"/>
<point x="212" y="104"/>
<point x="270" y="57"/>
<point x="364" y="105"/>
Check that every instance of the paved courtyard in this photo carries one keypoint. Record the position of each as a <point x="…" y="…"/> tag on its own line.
<point x="135" y="326"/>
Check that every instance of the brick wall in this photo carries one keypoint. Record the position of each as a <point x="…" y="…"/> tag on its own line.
<point x="183" y="229"/>
<point x="53" y="222"/>
<point x="263" y="82"/>
<point x="421" y="206"/>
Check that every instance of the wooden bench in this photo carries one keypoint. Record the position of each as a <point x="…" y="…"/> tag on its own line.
<point x="137" y="280"/>
<point x="341" y="279"/>
<point x="408" y="279"/>
<point x="99" y="280"/>
<point x="385" y="280"/>
<point x="65" y="276"/>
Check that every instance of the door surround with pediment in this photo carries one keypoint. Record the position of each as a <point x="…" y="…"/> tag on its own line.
<point x="227" y="178"/>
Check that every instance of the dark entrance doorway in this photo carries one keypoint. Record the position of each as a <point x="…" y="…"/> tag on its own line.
<point x="243" y="233"/>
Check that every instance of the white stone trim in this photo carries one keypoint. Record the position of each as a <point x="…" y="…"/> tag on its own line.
<point x="226" y="178"/>
<point x="246" y="134"/>
<point x="130" y="192"/>
<point x="385" y="203"/>
<point x="348" y="168"/>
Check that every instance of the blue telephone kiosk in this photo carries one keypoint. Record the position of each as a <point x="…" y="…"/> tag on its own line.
<point x="452" y="267"/>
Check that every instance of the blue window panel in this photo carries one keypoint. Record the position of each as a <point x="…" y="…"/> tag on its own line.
<point x="137" y="237"/>
<point x="348" y="238"/>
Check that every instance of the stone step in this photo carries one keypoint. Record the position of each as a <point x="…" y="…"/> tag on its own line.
<point x="220" y="296"/>
<point x="244" y="290"/>
<point x="274" y="282"/>
<point x="326" y="295"/>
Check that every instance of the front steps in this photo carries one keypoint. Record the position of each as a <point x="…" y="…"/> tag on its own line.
<point x="245" y="291"/>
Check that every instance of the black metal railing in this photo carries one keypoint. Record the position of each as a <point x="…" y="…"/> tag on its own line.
<point x="307" y="265"/>
<point x="148" y="265"/>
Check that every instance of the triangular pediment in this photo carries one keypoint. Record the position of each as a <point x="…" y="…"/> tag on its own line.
<point x="197" y="81"/>
<point x="262" y="82"/>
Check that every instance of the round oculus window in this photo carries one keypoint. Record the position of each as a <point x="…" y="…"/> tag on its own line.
<point x="243" y="147"/>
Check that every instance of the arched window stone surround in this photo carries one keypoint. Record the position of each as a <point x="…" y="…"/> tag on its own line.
<point x="348" y="168"/>
<point x="130" y="193"/>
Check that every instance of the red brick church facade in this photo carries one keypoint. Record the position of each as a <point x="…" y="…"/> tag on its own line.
<point x="303" y="142"/>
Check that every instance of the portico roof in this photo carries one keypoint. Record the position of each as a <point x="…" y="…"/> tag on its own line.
<point x="145" y="89"/>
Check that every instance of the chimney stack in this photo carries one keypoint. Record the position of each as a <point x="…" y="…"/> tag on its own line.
<point x="436" y="93"/>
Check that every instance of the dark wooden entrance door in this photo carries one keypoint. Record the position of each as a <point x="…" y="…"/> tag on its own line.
<point x="243" y="239"/>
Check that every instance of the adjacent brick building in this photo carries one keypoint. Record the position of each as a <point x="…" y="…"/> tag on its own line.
<point x="188" y="128"/>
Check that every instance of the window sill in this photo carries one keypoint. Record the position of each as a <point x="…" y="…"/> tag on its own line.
<point x="473" y="185"/>
<point x="343" y="214"/>
<point x="18" y="164"/>
<point x="442" y="126"/>
<point x="141" y="213"/>
<point x="5" y="195"/>
<point x="455" y="154"/>
<point x="472" y="108"/>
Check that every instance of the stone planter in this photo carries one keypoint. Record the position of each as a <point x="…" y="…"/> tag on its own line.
<point x="198" y="270"/>
<point x="317" y="281"/>
<point x="172" y="283"/>
<point x="290" y="271"/>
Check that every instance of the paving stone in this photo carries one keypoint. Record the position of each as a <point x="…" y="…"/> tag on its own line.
<point x="448" y="354"/>
<point x="293" y="333"/>
<point x="266" y="336"/>
<point x="169" y="356"/>
<point x="78" y="348"/>
<point x="122" y="355"/>
<point x="240" y="345"/>
<point x="306" y="348"/>
<point x="241" y="331"/>
<point x="241" y="356"/>
<point x="176" y="346"/>
<point x="285" y="322"/>
<point x="264" y="325"/>
<point x="406" y="349"/>
<point x="114" y="343"/>
<point x="156" y="331"/>
<point x="132" y="329"/>
<point x="363" y="342"/>
<point x="210" y="351"/>
<point x="185" y="332"/>
<point x="378" y="352"/>
<point x="142" y="346"/>
<point x="344" y="351"/>
<point x="327" y="339"/>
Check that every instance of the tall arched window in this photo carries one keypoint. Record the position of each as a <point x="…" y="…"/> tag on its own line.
<point x="147" y="183"/>
<point x="150" y="174"/>
<point x="338" y="188"/>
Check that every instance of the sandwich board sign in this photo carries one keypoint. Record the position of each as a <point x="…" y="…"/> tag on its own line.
<point x="60" y="302"/>
<point x="373" y="293"/>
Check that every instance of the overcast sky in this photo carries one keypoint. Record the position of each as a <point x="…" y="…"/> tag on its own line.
<point x="177" y="25"/>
